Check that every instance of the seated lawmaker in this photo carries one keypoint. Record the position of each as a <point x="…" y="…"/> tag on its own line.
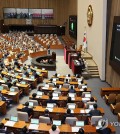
<point x="68" y="114"/>
<point x="95" y="112"/>
<point x="54" y="130"/>
<point x="3" y="130"/>
<point x="27" y="109"/>
<point x="50" y="100"/>
<point x="71" y="89"/>
<point x="46" y="114"/>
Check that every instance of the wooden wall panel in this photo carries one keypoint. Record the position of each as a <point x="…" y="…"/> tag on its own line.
<point x="61" y="10"/>
<point x="112" y="77"/>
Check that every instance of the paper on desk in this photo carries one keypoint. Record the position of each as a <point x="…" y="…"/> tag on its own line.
<point x="82" y="111"/>
<point x="33" y="126"/>
<point x="87" y="110"/>
<point x="73" y="98"/>
<point x="11" y="93"/>
<point x="85" y="99"/>
<point x="75" y="129"/>
<point x="50" y="109"/>
<point x="72" y="111"/>
<point x="54" y="88"/>
<point x="81" y="89"/>
<point x="10" y="123"/>
<point x="55" y="98"/>
<point x="44" y="88"/>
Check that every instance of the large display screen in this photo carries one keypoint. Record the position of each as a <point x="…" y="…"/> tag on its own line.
<point x="20" y="13"/>
<point x="115" y="45"/>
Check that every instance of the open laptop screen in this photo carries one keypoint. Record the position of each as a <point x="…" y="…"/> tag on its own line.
<point x="71" y="106"/>
<point x="31" y="104"/>
<point x="1" y="87"/>
<point x="34" y="121"/>
<point x="50" y="105"/>
<point x="39" y="93"/>
<point x="87" y="95"/>
<point x="57" y="122"/>
<point x="80" y="123"/>
<point x="14" y="118"/>
<point x="12" y="90"/>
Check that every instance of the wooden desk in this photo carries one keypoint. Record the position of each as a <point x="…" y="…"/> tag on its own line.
<point x="64" y="128"/>
<point x="24" y="87"/>
<point x="108" y="90"/>
<point x="14" y="96"/>
<point x="44" y="72"/>
<point x="71" y="56"/>
<point x="3" y="107"/>
<point x="64" y="90"/>
<point x="60" y="98"/>
<point x="61" y="83"/>
<point x="39" y="110"/>
<point x="24" y="58"/>
<point x="77" y="69"/>
<point x="37" y="54"/>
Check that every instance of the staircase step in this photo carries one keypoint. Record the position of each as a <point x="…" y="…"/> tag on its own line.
<point x="94" y="70"/>
<point x="93" y="73"/>
<point x="92" y="67"/>
<point x="95" y="76"/>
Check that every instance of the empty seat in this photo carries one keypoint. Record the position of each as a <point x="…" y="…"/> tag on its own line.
<point x="23" y="116"/>
<point x="110" y="99"/>
<point x="71" y="120"/>
<point x="44" y="119"/>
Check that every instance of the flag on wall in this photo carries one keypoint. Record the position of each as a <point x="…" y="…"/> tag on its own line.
<point x="85" y="42"/>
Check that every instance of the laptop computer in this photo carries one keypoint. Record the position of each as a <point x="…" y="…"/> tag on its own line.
<point x="87" y="95"/>
<point x="31" y="104"/>
<point x="80" y="123"/>
<point x="91" y="107"/>
<point x="24" y="76"/>
<point x="1" y="88"/>
<point x="34" y="121"/>
<point x="5" y="79"/>
<point x="84" y="86"/>
<point x="72" y="95"/>
<point x="12" y="90"/>
<point x="29" y="70"/>
<point x="47" y="85"/>
<point x="39" y="93"/>
<point x="57" y="122"/>
<point x="50" y="105"/>
<point x="23" y="82"/>
<point x="71" y="106"/>
<point x="35" y="67"/>
<point x="54" y="79"/>
<point x="32" y="77"/>
<point x="55" y="94"/>
<point x="14" y="118"/>
<point x="38" y="73"/>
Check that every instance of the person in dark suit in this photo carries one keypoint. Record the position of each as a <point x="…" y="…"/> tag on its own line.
<point x="72" y="90"/>
<point x="69" y="100"/>
<point x="95" y="112"/>
<point x="46" y="114"/>
<point x="68" y="114"/>
<point x="9" y="83"/>
<point x="25" y="130"/>
<point x="27" y="109"/>
<point x="50" y="100"/>
<point x="3" y="130"/>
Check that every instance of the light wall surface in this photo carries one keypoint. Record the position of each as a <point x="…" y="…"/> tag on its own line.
<point x="96" y="34"/>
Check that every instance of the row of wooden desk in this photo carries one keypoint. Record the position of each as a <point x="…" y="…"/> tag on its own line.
<point x="64" y="128"/>
<point x="109" y="90"/>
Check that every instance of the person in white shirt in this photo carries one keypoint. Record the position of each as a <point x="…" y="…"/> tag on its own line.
<point x="54" y="130"/>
